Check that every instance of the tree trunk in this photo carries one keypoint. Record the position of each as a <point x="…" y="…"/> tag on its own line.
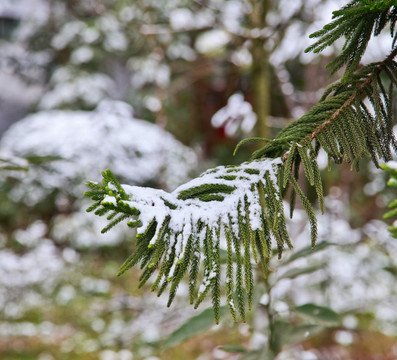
<point x="260" y="68"/>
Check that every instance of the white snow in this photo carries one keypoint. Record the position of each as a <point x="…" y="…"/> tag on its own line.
<point x="180" y="49"/>
<point x="181" y="19"/>
<point x="116" y="41"/>
<point x="241" y="57"/>
<point x="152" y="203"/>
<point x="40" y="266"/>
<point x="212" y="41"/>
<point x="89" y="35"/>
<point x="184" y="19"/>
<point x="82" y="54"/>
<point x="71" y="86"/>
<point x="36" y="10"/>
<point x="149" y="70"/>
<point x="67" y="34"/>
<point x="237" y="114"/>
<point x="89" y="142"/>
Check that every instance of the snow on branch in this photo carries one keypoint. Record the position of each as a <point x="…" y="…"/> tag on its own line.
<point x="182" y="231"/>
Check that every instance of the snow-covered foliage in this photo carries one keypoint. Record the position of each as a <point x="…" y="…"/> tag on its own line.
<point x="356" y="266"/>
<point x="179" y="31"/>
<point x="241" y="204"/>
<point x="212" y="42"/>
<point x="90" y="42"/>
<point x="237" y="114"/>
<point x="296" y="38"/>
<point x="351" y="281"/>
<point x="81" y="232"/>
<point x="187" y="211"/>
<point x="149" y="70"/>
<point x="70" y="88"/>
<point x="140" y="50"/>
<point x="48" y="278"/>
<point x="81" y="144"/>
<point x="35" y="10"/>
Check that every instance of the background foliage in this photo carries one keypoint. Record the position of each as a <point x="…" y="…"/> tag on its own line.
<point x="177" y="63"/>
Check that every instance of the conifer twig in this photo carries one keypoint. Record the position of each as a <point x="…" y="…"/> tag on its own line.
<point x="353" y="97"/>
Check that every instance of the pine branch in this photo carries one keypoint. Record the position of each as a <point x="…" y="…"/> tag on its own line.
<point x="181" y="232"/>
<point x="343" y="124"/>
<point x="391" y="168"/>
<point x="244" y="203"/>
<point x="357" y="21"/>
<point x="241" y="202"/>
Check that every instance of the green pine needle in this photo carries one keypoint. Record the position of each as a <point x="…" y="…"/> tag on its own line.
<point x="180" y="234"/>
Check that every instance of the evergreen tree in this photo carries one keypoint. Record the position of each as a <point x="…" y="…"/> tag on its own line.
<point x="181" y="232"/>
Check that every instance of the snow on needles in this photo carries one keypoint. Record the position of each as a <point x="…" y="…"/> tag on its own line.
<point x="223" y="204"/>
<point x="186" y="214"/>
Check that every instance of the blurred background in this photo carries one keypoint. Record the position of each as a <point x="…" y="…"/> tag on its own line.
<point x="159" y="91"/>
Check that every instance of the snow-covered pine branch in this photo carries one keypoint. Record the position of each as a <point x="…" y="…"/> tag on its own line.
<point x="242" y="205"/>
<point x="238" y="206"/>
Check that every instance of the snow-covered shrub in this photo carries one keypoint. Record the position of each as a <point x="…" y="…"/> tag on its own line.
<point x="81" y="144"/>
<point x="72" y="87"/>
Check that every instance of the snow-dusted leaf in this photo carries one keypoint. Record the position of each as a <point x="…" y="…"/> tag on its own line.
<point x="237" y="114"/>
<point x="180" y="232"/>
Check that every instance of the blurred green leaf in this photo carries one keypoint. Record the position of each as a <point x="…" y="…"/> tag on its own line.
<point x="392" y="204"/>
<point x="234" y="348"/>
<point x="13" y="168"/>
<point x="7" y="164"/>
<point x="295" y="272"/>
<point x="194" y="326"/>
<point x="390" y="214"/>
<point x="261" y="354"/>
<point x="390" y="170"/>
<point x="297" y="334"/>
<point x="319" y="314"/>
<point x="38" y="159"/>
<point x="393" y="231"/>
<point x="391" y="269"/>
<point x="285" y="334"/>
<point x="392" y="182"/>
<point x="280" y="329"/>
<point x="308" y="251"/>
